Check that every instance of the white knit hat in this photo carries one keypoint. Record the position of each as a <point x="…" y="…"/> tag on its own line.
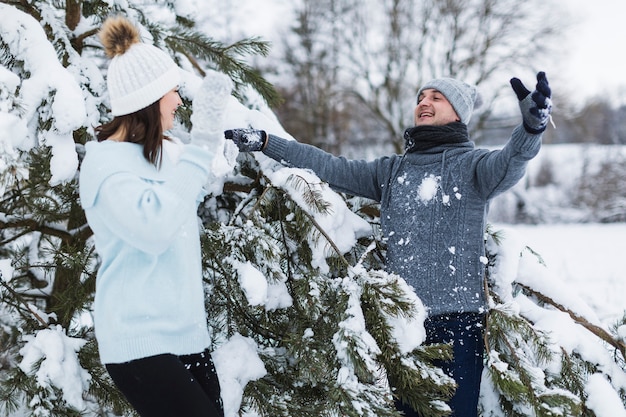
<point x="139" y="74"/>
<point x="462" y="96"/>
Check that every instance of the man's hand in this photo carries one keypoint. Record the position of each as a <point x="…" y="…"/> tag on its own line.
<point x="535" y="107"/>
<point x="247" y="140"/>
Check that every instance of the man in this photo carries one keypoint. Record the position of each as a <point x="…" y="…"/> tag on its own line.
<point x="433" y="204"/>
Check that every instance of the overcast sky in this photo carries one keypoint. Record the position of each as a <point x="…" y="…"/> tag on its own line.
<point x="597" y="58"/>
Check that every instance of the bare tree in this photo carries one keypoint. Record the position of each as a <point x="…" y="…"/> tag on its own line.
<point x="598" y="121"/>
<point x="312" y="108"/>
<point x="382" y="51"/>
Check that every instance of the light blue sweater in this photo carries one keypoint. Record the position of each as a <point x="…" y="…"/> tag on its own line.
<point x="149" y="293"/>
<point x="433" y="207"/>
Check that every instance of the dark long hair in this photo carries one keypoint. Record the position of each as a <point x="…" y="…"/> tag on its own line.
<point x="143" y="127"/>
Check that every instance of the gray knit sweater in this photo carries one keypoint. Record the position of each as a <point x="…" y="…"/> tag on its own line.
<point x="433" y="208"/>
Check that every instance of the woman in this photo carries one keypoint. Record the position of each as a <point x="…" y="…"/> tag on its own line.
<point x="140" y="191"/>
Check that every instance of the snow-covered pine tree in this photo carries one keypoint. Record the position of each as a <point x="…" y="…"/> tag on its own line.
<point x="546" y="355"/>
<point x="325" y="332"/>
<point x="52" y="95"/>
<point x="320" y="357"/>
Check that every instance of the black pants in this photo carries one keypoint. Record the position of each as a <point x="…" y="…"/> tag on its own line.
<point x="170" y="386"/>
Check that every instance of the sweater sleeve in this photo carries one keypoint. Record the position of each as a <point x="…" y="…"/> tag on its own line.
<point x="497" y="171"/>
<point x="354" y="177"/>
<point x="148" y="213"/>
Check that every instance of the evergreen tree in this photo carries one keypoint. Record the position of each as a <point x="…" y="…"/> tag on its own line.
<point x="52" y="94"/>
<point x="328" y="345"/>
<point x="541" y="354"/>
<point x="320" y="357"/>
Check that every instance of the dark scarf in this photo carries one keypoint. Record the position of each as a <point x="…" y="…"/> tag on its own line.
<point x="421" y="138"/>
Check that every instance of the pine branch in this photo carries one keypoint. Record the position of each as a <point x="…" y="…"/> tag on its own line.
<point x="328" y="239"/>
<point x="516" y="381"/>
<point x="22" y="302"/>
<point x="598" y="331"/>
<point x="313" y="199"/>
<point x="283" y="236"/>
<point x="33" y="225"/>
<point x="414" y="378"/>
<point x="196" y="45"/>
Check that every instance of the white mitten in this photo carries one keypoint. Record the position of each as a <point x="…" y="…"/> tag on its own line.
<point x="209" y="105"/>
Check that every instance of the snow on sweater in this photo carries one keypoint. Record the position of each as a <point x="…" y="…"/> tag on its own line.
<point x="433" y="208"/>
<point x="149" y="293"/>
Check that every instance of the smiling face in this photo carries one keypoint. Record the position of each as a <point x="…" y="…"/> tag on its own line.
<point x="168" y="105"/>
<point x="434" y="109"/>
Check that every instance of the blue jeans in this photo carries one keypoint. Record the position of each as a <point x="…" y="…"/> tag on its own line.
<point x="465" y="332"/>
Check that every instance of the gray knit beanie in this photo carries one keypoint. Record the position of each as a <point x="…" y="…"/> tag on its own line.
<point x="462" y="96"/>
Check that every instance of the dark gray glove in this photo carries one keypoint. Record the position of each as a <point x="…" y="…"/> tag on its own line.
<point x="535" y="107"/>
<point x="247" y="140"/>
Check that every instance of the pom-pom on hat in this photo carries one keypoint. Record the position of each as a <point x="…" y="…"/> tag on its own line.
<point x="139" y="74"/>
<point x="462" y="96"/>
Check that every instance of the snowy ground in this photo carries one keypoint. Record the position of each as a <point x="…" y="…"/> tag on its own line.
<point x="591" y="257"/>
